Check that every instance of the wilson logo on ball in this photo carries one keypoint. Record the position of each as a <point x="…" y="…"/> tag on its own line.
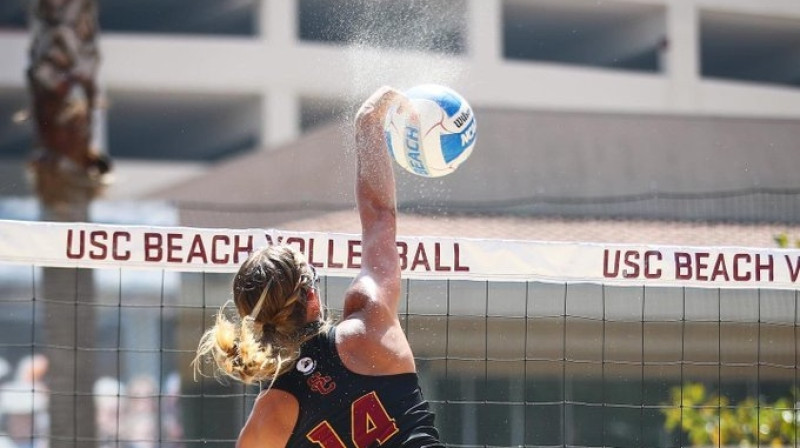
<point x="443" y="137"/>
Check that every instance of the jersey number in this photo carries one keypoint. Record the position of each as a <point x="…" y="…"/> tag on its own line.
<point x="369" y="422"/>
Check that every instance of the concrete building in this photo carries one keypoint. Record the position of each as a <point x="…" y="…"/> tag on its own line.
<point x="192" y="82"/>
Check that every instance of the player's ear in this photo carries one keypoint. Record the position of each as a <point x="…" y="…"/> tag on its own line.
<point x="313" y="308"/>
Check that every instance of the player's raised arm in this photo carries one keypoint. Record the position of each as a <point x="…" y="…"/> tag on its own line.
<point x="379" y="279"/>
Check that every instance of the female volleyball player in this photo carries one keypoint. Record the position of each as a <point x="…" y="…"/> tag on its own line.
<point x="349" y="384"/>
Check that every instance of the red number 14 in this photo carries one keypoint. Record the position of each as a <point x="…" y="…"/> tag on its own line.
<point x="369" y="422"/>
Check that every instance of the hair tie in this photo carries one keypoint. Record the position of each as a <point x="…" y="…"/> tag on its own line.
<point x="260" y="302"/>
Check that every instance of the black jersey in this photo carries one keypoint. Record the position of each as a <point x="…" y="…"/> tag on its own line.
<point x="343" y="409"/>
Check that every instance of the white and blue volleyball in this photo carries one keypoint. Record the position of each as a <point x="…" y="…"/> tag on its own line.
<point x="440" y="140"/>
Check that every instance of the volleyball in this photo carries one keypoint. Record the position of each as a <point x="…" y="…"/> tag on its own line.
<point x="441" y="137"/>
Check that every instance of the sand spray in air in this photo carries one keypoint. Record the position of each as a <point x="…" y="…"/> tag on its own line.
<point x="401" y="43"/>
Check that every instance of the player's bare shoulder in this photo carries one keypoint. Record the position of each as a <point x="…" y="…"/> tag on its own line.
<point x="366" y="351"/>
<point x="275" y="412"/>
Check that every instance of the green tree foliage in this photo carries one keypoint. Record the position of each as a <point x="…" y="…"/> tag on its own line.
<point x="784" y="241"/>
<point x="712" y="420"/>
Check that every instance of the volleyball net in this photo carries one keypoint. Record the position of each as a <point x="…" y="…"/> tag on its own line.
<point x="518" y="343"/>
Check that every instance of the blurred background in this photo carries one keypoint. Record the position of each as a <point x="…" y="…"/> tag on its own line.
<point x="630" y="121"/>
<point x="671" y="110"/>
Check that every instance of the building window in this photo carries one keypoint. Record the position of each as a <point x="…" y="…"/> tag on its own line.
<point x="401" y="24"/>
<point x="750" y="48"/>
<point x="615" y="35"/>
<point x="181" y="126"/>
<point x="213" y="17"/>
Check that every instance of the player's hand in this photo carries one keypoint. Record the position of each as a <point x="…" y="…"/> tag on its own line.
<point x="374" y="110"/>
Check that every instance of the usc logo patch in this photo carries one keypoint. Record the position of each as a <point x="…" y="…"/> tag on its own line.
<point x="322" y="384"/>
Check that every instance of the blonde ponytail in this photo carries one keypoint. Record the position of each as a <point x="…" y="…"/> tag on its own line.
<point x="238" y="351"/>
<point x="271" y="292"/>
